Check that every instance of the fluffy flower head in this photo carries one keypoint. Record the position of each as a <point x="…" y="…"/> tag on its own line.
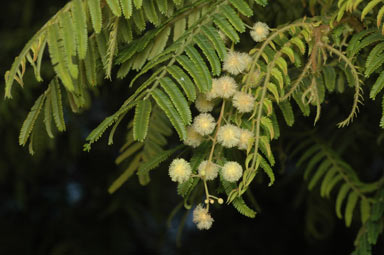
<point x="232" y="171"/>
<point x="228" y="135"/>
<point x="226" y="87"/>
<point x="259" y="31"/>
<point x="236" y="62"/>
<point x="243" y="102"/>
<point x="194" y="139"/>
<point x="255" y="78"/>
<point x="180" y="170"/>
<point x="204" y="124"/>
<point x="202" y="218"/>
<point x="208" y="169"/>
<point x="245" y="137"/>
<point x="203" y="104"/>
<point x="213" y="92"/>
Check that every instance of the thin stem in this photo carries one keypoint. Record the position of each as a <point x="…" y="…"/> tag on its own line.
<point x="358" y="90"/>
<point x="213" y="149"/>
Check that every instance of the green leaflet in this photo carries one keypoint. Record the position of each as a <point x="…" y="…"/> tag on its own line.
<point x="238" y="202"/>
<point x="138" y="3"/>
<point x="58" y="57"/>
<point x="330" y="175"/>
<point x="331" y="184"/>
<point x="370" y="39"/>
<point x="307" y="154"/>
<point x="215" y="39"/>
<point x="141" y="119"/>
<point x="139" y="20"/>
<point x="340" y="198"/>
<point x="303" y="107"/>
<point x="382" y="116"/>
<point x="329" y="76"/>
<point x="150" y="12"/>
<point x="193" y="18"/>
<point x="369" y="7"/>
<point x="208" y="50"/>
<point x="166" y="105"/>
<point x="267" y="169"/>
<point x="57" y="105"/>
<point x="377" y="86"/>
<point x="275" y="125"/>
<point x="90" y="62"/>
<point x="126" y="7"/>
<point x="365" y="209"/>
<point x="287" y="111"/>
<point x="267" y="125"/>
<point x="262" y="2"/>
<point x="188" y="65"/>
<point x="242" y="7"/>
<point x="95" y="12"/>
<point x="68" y="43"/>
<point x="178" y="99"/>
<point x="114" y="5"/>
<point x="278" y="76"/>
<point x="202" y="70"/>
<point x="29" y="122"/>
<point x="227" y="28"/>
<point x="375" y="59"/>
<point x="112" y="47"/>
<point x="184" y="81"/>
<point x="233" y="18"/>
<point x="131" y="150"/>
<point x="125" y="31"/>
<point x="313" y="162"/>
<point x="355" y="41"/>
<point x="299" y="44"/>
<point x="48" y="114"/>
<point x="101" y="43"/>
<point x="351" y="203"/>
<point x="179" y="28"/>
<point x="265" y="147"/>
<point x="125" y="175"/>
<point x="156" y="161"/>
<point x="162" y="5"/>
<point x="159" y="43"/>
<point x="320" y="171"/>
<point x="80" y="32"/>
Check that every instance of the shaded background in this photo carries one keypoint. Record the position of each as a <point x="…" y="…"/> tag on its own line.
<point x="56" y="202"/>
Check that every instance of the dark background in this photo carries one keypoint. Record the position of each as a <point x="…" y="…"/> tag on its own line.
<point x="56" y="202"/>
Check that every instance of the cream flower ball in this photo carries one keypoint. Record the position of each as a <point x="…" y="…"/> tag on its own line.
<point x="204" y="124"/>
<point x="228" y="135"/>
<point x="243" y="102"/>
<point x="236" y="62"/>
<point x="259" y="31"/>
<point x="246" y="137"/>
<point x="255" y="78"/>
<point x="193" y="139"/>
<point x="232" y="171"/>
<point x="226" y="87"/>
<point x="213" y="92"/>
<point x="202" y="218"/>
<point x="208" y="169"/>
<point x="180" y="170"/>
<point x="203" y="104"/>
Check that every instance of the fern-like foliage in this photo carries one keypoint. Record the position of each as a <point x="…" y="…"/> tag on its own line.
<point x="372" y="228"/>
<point x="326" y="169"/>
<point x="175" y="52"/>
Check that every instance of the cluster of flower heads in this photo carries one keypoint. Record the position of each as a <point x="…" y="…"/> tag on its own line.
<point x="228" y="135"/>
